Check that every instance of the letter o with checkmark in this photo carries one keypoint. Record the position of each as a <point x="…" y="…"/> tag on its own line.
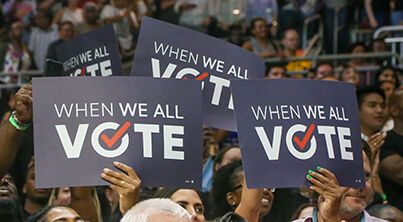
<point x="101" y="150"/>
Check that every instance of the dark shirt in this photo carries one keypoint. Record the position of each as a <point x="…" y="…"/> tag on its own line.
<point x="393" y="145"/>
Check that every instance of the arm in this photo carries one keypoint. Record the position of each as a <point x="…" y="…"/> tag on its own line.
<point x="10" y="137"/>
<point x="58" y="17"/>
<point x="248" y="46"/>
<point x="251" y="200"/>
<point x="370" y="13"/>
<point x="83" y="202"/>
<point x="392" y="168"/>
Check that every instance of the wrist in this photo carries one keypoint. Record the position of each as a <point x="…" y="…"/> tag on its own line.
<point x="14" y="121"/>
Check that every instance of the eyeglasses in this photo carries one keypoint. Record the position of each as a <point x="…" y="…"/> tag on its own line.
<point x="240" y="186"/>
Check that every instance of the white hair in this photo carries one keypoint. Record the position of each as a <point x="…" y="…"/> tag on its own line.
<point x="142" y="211"/>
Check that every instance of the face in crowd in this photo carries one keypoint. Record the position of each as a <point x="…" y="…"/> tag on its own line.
<point x="260" y="29"/>
<point x="355" y="200"/>
<point x="8" y="190"/>
<point x="276" y="72"/>
<point x="372" y="112"/>
<point x="291" y="40"/>
<point x="39" y="196"/>
<point x="190" y="200"/>
<point x="324" y="70"/>
<point x="65" y="214"/>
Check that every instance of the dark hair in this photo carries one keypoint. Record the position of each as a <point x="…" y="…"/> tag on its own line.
<point x="356" y="44"/>
<point x="220" y="155"/>
<point x="10" y="210"/>
<point x="223" y="184"/>
<point x="377" y="209"/>
<point x="323" y="63"/>
<point x="300" y="208"/>
<point x="395" y="75"/>
<point x="362" y="93"/>
<point x="269" y="66"/>
<point x="47" y="13"/>
<point x="165" y="193"/>
<point x="254" y="20"/>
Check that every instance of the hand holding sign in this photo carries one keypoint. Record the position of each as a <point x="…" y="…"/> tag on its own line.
<point x="126" y="184"/>
<point x="23" y="104"/>
<point x="325" y="183"/>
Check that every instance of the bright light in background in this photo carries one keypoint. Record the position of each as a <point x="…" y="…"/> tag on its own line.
<point x="275" y="23"/>
<point x="236" y="11"/>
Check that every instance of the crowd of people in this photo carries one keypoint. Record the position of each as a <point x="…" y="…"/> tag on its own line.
<point x="31" y="30"/>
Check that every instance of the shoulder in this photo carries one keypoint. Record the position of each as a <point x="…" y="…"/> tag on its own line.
<point x="369" y="218"/>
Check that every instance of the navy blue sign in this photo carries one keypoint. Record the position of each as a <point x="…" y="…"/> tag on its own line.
<point x="169" y="51"/>
<point x="146" y="123"/>
<point x="287" y="127"/>
<point x="94" y="53"/>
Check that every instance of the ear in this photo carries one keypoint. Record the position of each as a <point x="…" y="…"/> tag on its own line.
<point x="232" y="199"/>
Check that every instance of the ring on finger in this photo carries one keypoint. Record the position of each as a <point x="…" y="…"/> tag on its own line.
<point x="122" y="183"/>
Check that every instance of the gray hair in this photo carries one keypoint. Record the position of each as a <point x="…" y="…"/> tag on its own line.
<point x="142" y="211"/>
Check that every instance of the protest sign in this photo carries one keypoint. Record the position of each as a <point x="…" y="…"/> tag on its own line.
<point x="168" y="51"/>
<point x="142" y="122"/>
<point x="288" y="127"/>
<point x="95" y="53"/>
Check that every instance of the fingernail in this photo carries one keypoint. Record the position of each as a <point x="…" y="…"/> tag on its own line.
<point x="318" y="167"/>
<point x="116" y="163"/>
<point x="309" y="177"/>
<point x="310" y="171"/>
<point x="105" y="170"/>
<point x="103" y="175"/>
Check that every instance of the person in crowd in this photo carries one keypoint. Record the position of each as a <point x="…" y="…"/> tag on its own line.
<point x="378" y="45"/>
<point x="35" y="199"/>
<point x="350" y="202"/>
<point x="189" y="199"/>
<point x="304" y="210"/>
<point x="267" y="9"/>
<point x="156" y="210"/>
<point x="324" y="69"/>
<point x="16" y="57"/>
<point x="41" y="37"/>
<point x="60" y="197"/>
<point x="91" y="19"/>
<point x="386" y="212"/>
<point x="228" y="191"/>
<point x="391" y="167"/>
<point x="378" y="13"/>
<point x="396" y="16"/>
<point x="291" y="43"/>
<point x="193" y="14"/>
<point x="10" y="207"/>
<point x="387" y="73"/>
<point x="261" y="43"/>
<point x="276" y="71"/>
<point x="350" y="75"/>
<point x="72" y="13"/>
<point x="56" y="214"/>
<point x="66" y="33"/>
<point x="357" y="49"/>
<point x="388" y="88"/>
<point x="226" y="156"/>
<point x="236" y="35"/>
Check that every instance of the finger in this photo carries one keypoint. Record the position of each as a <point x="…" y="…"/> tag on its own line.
<point x="374" y="136"/>
<point x="327" y="174"/>
<point x="119" y="176"/>
<point x="27" y="86"/>
<point x="127" y="169"/>
<point x="314" y="181"/>
<point x="118" y="189"/>
<point x="316" y="189"/>
<point x="23" y="99"/>
<point x="110" y="179"/>
<point x="319" y="176"/>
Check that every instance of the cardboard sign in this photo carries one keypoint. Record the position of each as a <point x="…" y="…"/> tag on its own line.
<point x="169" y="51"/>
<point x="95" y="53"/>
<point x="287" y="127"/>
<point x="142" y="122"/>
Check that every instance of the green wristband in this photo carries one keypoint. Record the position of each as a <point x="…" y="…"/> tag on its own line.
<point x="17" y="124"/>
<point x="384" y="197"/>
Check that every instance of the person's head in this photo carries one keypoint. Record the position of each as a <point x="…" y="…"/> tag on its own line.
<point x="73" y="3"/>
<point x="66" y="30"/>
<point x="227" y="190"/>
<point x="156" y="210"/>
<point x="236" y="33"/>
<point x="291" y="40"/>
<point x="355" y="200"/>
<point x="350" y="75"/>
<point x="388" y="88"/>
<point x="38" y="196"/>
<point x="120" y="4"/>
<point x="396" y="106"/>
<point x="324" y="69"/>
<point x="91" y="14"/>
<point x="16" y="29"/>
<point x="386" y="212"/>
<point x="226" y="156"/>
<point x="358" y="48"/>
<point x="10" y="208"/>
<point x="55" y="214"/>
<point x="303" y="211"/>
<point x="379" y="45"/>
<point x="188" y="199"/>
<point x="259" y="28"/>
<point x="43" y="19"/>
<point x="387" y="73"/>
<point x="60" y="196"/>
<point x="371" y="105"/>
<point x="276" y="71"/>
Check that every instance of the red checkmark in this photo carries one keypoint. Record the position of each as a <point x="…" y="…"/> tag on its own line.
<point x="306" y="138"/>
<point x="116" y="136"/>
<point x="83" y="71"/>
<point x="199" y="77"/>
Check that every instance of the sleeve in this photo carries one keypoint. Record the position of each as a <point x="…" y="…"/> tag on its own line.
<point x="388" y="148"/>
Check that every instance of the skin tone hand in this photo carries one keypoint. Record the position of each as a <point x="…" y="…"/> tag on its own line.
<point x="325" y="183"/>
<point x="23" y="103"/>
<point x="126" y="184"/>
